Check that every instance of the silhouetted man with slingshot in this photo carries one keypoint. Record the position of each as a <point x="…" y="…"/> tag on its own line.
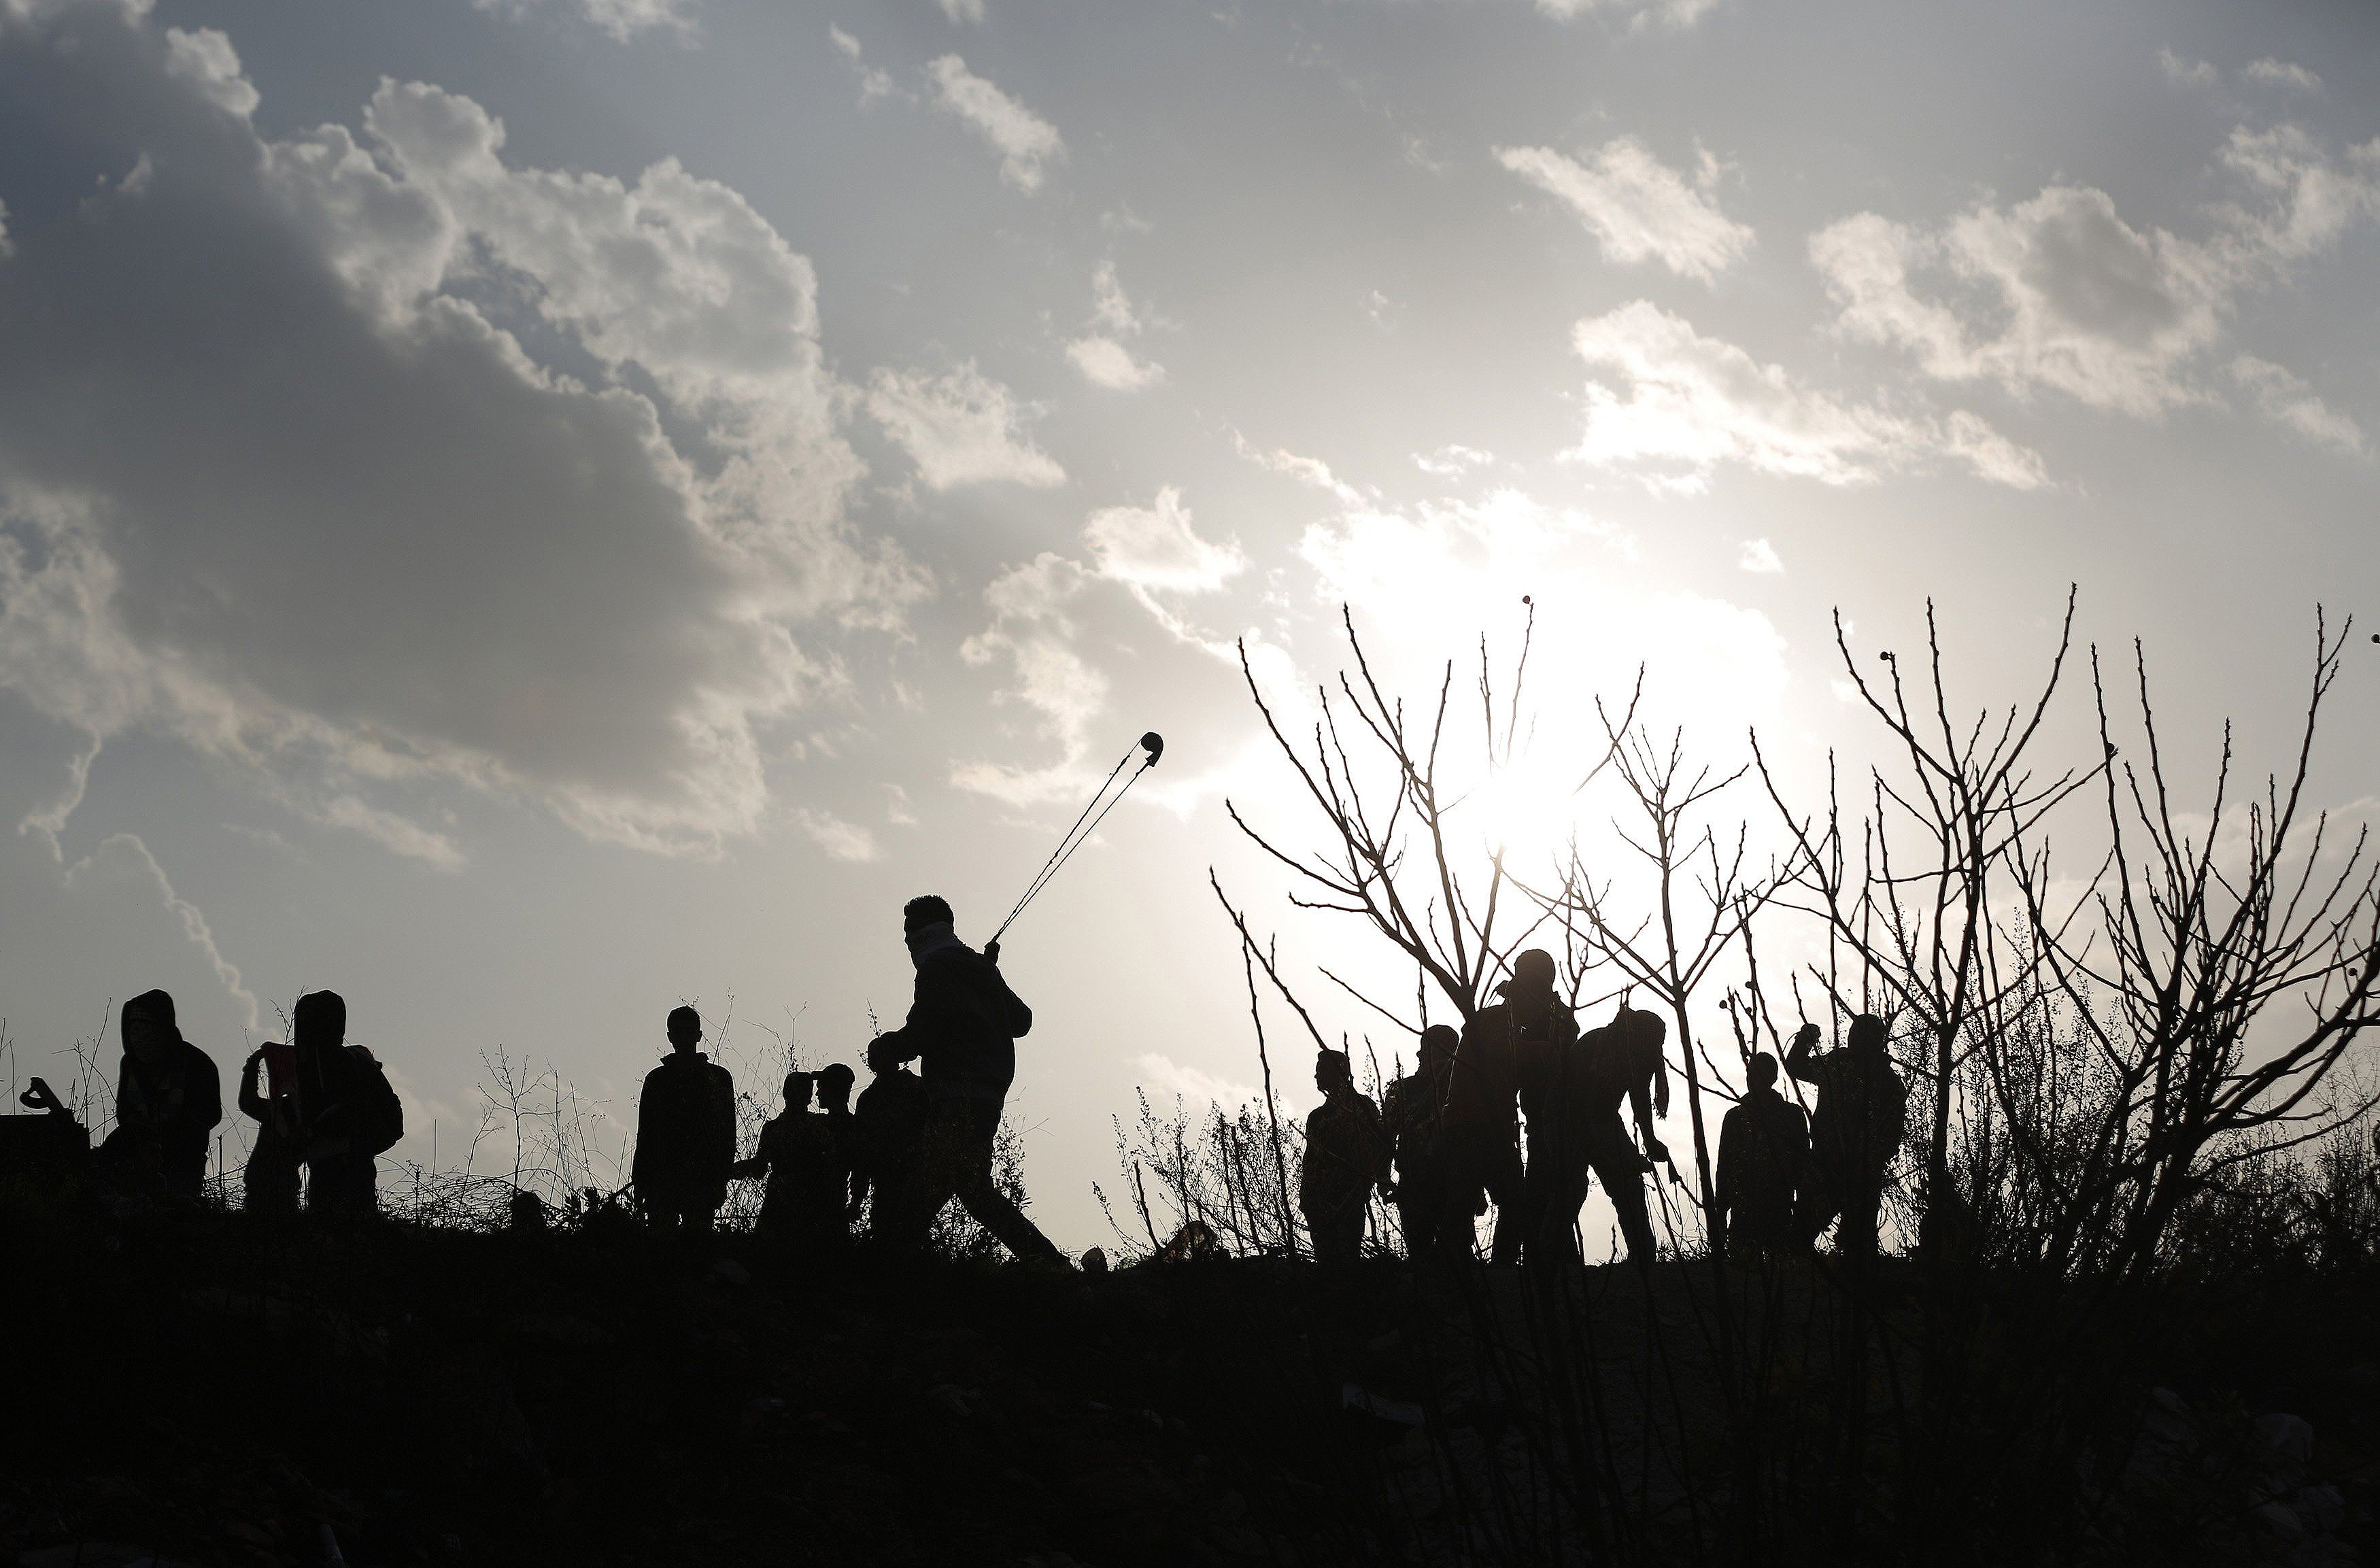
<point x="962" y="1029"/>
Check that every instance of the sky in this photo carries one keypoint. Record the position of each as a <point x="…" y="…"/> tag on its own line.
<point x="531" y="512"/>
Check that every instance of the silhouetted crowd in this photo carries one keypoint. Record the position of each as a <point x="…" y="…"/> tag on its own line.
<point x="1518" y="1112"/>
<point x="1451" y="1145"/>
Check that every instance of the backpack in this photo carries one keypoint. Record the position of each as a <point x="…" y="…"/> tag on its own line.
<point x="381" y="1122"/>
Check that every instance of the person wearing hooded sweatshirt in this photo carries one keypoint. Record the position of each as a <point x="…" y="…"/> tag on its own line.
<point x="347" y="1115"/>
<point x="963" y="1028"/>
<point x="169" y="1097"/>
<point x="685" y="1131"/>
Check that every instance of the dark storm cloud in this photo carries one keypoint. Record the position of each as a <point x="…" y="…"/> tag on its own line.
<point x="268" y="486"/>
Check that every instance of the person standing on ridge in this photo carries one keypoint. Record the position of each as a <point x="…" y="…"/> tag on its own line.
<point x="685" y="1131"/>
<point x="1480" y="1128"/>
<point x="347" y="1115"/>
<point x="1346" y="1156"/>
<point x="1854" y="1132"/>
<point x="1622" y="1064"/>
<point x="271" y="1178"/>
<point x="169" y="1097"/>
<point x="888" y="1133"/>
<point x="1764" y="1148"/>
<point x="963" y="1028"/>
<point x="1411" y="1120"/>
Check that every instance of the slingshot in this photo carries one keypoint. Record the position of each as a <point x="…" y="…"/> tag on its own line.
<point x="1087" y="824"/>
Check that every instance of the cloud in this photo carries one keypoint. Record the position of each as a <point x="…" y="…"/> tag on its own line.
<point x="1193" y="1084"/>
<point x="961" y="11"/>
<point x="874" y="83"/>
<point x="1638" y="207"/>
<point x="1759" y="556"/>
<point x="841" y="840"/>
<point x="2186" y="73"/>
<point x="1451" y="461"/>
<point x="1427" y="579"/>
<point x="1686" y="404"/>
<point x="317" y="507"/>
<point x="1636" y="13"/>
<point x="1155" y="547"/>
<point x="1025" y="141"/>
<point x="1105" y="362"/>
<point x="961" y="428"/>
<point x="1034" y="630"/>
<point x="1100" y="355"/>
<point x="619" y="20"/>
<point x="2286" y="401"/>
<point x="2280" y="73"/>
<point x="2060" y="293"/>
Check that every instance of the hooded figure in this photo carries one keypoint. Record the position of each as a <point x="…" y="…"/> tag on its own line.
<point x="963" y="1028"/>
<point x="685" y="1131"/>
<point x="347" y="1115"/>
<point x="169" y="1097"/>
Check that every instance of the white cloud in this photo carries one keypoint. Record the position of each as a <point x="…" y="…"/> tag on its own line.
<point x="1105" y="362"/>
<point x="961" y="11"/>
<point x="873" y="83"/>
<point x="1637" y="207"/>
<point x="961" y="428"/>
<point x="841" y="840"/>
<point x="530" y="589"/>
<point x="1692" y="403"/>
<point x="1636" y="13"/>
<point x="206" y="61"/>
<point x="1157" y="547"/>
<point x="1193" y="1084"/>
<point x="2281" y="73"/>
<point x="2185" y="73"/>
<point x="1100" y="355"/>
<point x="1759" y="556"/>
<point x="1111" y="307"/>
<point x="2286" y="400"/>
<point x="1034" y="630"/>
<point x="2060" y="293"/>
<point x="1024" y="142"/>
<point x="619" y="20"/>
<point x="1451" y="461"/>
<point x="1312" y="472"/>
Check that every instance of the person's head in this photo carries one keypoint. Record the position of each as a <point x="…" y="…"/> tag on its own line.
<point x="1761" y="1071"/>
<point x="883" y="1056"/>
<point x="1332" y="1072"/>
<point x="320" y="1021"/>
<point x="1531" y="989"/>
<point x="147" y="1025"/>
<point x="685" y="1029"/>
<point x="926" y="919"/>
<point x="1642" y="1028"/>
<point x="835" y="1082"/>
<point x="1868" y="1034"/>
<point x="797" y="1090"/>
<point x="1438" y="1045"/>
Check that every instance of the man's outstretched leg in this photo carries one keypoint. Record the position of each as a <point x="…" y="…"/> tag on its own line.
<point x="964" y="1132"/>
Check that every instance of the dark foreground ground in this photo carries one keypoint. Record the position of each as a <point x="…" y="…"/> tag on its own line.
<point x="217" y="1392"/>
